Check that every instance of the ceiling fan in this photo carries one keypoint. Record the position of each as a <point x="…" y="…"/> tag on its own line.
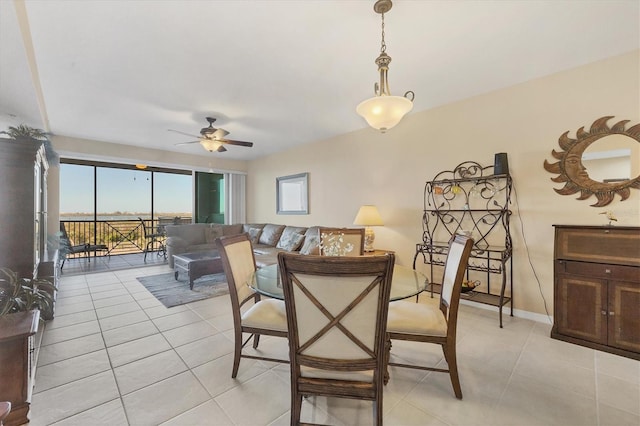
<point x="212" y="139"/>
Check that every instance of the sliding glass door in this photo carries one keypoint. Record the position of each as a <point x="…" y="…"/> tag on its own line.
<point x="210" y="197"/>
<point x="103" y="203"/>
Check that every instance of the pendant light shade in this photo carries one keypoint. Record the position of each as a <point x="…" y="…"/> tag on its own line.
<point x="384" y="112"/>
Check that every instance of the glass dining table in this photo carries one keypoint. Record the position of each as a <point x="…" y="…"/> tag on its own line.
<point x="405" y="282"/>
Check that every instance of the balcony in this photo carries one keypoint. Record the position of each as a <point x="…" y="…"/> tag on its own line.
<point x="125" y="241"/>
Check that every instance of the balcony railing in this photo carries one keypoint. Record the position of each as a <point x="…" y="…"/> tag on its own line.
<point x="120" y="236"/>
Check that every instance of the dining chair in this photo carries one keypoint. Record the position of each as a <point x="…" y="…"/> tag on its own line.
<point x="435" y="322"/>
<point x="5" y="409"/>
<point x="353" y="236"/>
<point x="337" y="315"/>
<point x="266" y="316"/>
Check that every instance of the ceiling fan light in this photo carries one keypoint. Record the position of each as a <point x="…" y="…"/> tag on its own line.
<point x="210" y="144"/>
<point x="384" y="112"/>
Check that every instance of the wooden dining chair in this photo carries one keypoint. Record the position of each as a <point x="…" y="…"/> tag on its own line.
<point x="431" y="322"/>
<point x="5" y="409"/>
<point x="264" y="316"/>
<point x="353" y="236"/>
<point x="336" y="313"/>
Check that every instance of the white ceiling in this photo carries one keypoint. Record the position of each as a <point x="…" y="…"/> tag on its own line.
<point x="278" y="72"/>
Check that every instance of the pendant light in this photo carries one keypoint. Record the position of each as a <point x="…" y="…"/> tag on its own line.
<point x="384" y="111"/>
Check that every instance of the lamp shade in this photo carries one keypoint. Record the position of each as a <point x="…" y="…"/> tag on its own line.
<point x="384" y="112"/>
<point x="210" y="144"/>
<point x="368" y="216"/>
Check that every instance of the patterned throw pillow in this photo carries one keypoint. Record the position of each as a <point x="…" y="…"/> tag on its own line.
<point x="310" y="245"/>
<point x="290" y="242"/>
<point x="271" y="234"/>
<point x="211" y="233"/>
<point x="254" y="235"/>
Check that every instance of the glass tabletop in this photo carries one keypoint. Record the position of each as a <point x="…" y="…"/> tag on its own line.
<point x="405" y="283"/>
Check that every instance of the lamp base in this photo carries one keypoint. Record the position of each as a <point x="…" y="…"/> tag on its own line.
<point x="369" y="237"/>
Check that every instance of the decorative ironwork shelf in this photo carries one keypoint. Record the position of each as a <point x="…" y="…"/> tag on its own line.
<point x="470" y="200"/>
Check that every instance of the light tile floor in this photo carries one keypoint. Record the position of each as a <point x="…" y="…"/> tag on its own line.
<point x="115" y="356"/>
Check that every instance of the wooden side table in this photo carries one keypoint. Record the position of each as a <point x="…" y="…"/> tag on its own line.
<point x="377" y="252"/>
<point x="17" y="367"/>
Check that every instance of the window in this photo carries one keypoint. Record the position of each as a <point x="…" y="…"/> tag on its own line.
<point x="101" y="203"/>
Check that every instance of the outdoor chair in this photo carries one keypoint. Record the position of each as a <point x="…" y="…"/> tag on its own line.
<point x="431" y="322"/>
<point x="337" y="315"/>
<point x="263" y="316"/>
<point x="152" y="239"/>
<point x="67" y="247"/>
<point x="339" y="238"/>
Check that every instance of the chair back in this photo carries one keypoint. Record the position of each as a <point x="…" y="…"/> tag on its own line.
<point x="144" y="228"/>
<point x="337" y="314"/>
<point x="342" y="237"/>
<point x="454" y="271"/>
<point x="238" y="262"/>
<point x="63" y="233"/>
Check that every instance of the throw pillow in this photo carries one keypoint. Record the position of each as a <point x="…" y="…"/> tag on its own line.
<point x="290" y="242"/>
<point x="271" y="234"/>
<point x="254" y="235"/>
<point x="310" y="245"/>
<point x="211" y="233"/>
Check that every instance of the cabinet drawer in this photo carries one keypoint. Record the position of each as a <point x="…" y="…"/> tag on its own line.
<point x="599" y="270"/>
<point x="610" y="245"/>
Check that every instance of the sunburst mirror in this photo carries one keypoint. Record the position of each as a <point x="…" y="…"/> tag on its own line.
<point x="619" y="150"/>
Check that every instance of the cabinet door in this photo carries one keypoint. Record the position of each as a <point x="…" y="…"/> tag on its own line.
<point x="581" y="308"/>
<point x="624" y="315"/>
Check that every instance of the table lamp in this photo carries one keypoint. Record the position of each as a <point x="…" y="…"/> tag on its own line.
<point x="368" y="216"/>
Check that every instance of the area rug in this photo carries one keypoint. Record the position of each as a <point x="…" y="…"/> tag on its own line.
<point x="172" y="292"/>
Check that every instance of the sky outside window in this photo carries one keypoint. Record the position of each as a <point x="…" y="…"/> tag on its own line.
<point x="122" y="192"/>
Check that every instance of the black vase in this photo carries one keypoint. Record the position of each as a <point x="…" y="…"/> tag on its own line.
<point x="501" y="164"/>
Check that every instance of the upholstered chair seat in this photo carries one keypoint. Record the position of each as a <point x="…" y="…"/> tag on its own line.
<point x="268" y="313"/>
<point x="413" y="318"/>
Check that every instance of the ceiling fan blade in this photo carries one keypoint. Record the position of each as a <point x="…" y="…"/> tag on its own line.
<point x="186" y="143"/>
<point x="183" y="133"/>
<point x="238" y="143"/>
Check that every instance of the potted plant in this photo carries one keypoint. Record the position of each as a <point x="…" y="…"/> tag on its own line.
<point x="23" y="132"/>
<point x="24" y="294"/>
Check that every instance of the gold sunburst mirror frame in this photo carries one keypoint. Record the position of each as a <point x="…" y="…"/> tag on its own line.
<point x="571" y="170"/>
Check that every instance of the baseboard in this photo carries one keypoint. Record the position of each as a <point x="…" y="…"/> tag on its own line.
<point x="506" y="310"/>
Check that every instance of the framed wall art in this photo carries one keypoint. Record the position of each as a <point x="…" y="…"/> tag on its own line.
<point x="292" y="194"/>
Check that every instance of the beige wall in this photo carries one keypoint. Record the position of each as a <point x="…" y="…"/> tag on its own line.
<point x="389" y="170"/>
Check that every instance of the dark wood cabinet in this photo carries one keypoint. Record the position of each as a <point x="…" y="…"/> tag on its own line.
<point x="23" y="218"/>
<point x="597" y="288"/>
<point x="17" y="363"/>
<point x="23" y="212"/>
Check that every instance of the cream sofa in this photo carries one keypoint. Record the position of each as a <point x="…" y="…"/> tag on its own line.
<point x="267" y="239"/>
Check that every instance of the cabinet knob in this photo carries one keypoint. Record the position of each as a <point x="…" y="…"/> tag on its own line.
<point x="607" y="271"/>
<point x="611" y="313"/>
<point x="603" y="312"/>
